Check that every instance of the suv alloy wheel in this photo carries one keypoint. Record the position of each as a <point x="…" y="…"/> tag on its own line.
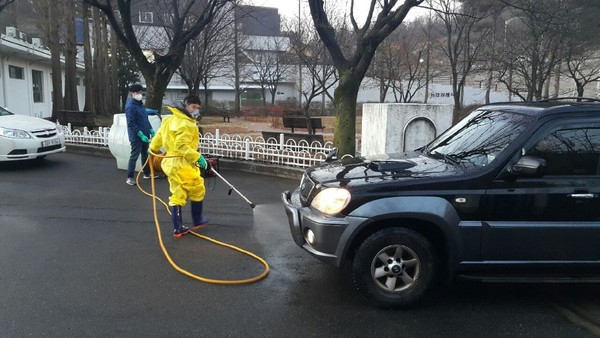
<point x="394" y="267"/>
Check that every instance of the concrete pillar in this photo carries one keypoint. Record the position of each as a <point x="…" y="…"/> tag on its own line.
<point x="391" y="128"/>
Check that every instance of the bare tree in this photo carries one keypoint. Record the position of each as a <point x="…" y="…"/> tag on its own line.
<point x="71" y="101"/>
<point x="583" y="66"/>
<point x="5" y="3"/>
<point x="270" y="64"/>
<point x="207" y="56"/>
<point x="50" y="13"/>
<point x="188" y="19"/>
<point x="400" y="63"/>
<point x="320" y="74"/>
<point x="581" y="48"/>
<point x="534" y="39"/>
<point x="87" y="56"/>
<point x="99" y="62"/>
<point x="353" y="67"/>
<point x="464" y="33"/>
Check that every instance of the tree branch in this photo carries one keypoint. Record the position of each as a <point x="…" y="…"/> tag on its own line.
<point x="326" y="32"/>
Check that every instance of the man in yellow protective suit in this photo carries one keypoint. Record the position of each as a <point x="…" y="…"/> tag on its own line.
<point x="178" y="134"/>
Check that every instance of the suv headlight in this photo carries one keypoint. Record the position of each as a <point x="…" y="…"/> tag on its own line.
<point x="331" y="200"/>
<point x="14" y="133"/>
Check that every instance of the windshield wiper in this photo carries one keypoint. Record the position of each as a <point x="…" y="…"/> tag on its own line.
<point x="452" y="159"/>
<point x="448" y="158"/>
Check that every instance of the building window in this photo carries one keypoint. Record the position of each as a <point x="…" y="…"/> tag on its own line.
<point x="167" y="19"/>
<point x="38" y="87"/>
<point x="15" y="72"/>
<point x="251" y="95"/>
<point x="146" y="17"/>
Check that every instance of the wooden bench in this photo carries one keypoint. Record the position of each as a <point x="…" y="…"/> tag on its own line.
<point x="291" y="136"/>
<point x="227" y="114"/>
<point x="301" y="122"/>
<point x="75" y="118"/>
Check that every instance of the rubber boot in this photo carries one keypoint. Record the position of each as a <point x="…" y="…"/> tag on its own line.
<point x="178" y="228"/>
<point x="197" y="219"/>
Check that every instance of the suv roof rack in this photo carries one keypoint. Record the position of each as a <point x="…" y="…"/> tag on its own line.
<point x="578" y="99"/>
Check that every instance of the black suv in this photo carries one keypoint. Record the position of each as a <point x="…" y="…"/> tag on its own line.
<point x="510" y="193"/>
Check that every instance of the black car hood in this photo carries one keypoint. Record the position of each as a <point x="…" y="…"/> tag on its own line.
<point x="359" y="171"/>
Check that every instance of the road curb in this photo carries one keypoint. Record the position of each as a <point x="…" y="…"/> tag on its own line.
<point x="229" y="164"/>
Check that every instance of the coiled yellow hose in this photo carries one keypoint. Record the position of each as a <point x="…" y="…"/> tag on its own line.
<point x="166" y="253"/>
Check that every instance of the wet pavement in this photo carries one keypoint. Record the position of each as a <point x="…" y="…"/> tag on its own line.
<point x="79" y="256"/>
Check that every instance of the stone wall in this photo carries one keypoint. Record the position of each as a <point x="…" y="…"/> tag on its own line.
<point x="389" y="128"/>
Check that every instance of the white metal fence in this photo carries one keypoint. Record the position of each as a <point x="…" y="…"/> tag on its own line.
<point x="88" y="137"/>
<point x="276" y="151"/>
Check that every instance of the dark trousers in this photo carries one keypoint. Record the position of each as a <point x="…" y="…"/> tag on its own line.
<point x="137" y="147"/>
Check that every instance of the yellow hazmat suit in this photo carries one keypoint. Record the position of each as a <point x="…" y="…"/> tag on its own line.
<point x="178" y="134"/>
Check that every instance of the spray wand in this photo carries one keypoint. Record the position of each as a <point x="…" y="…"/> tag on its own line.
<point x="232" y="188"/>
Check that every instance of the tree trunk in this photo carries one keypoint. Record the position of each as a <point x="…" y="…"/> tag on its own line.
<point x="305" y="109"/>
<point x="156" y="85"/>
<point x="206" y="103"/>
<point x="457" y="99"/>
<point x="236" y="66"/>
<point x="345" y="96"/>
<point x="382" y="90"/>
<point x="580" y="89"/>
<point x="114" y="70"/>
<point x="71" y="101"/>
<point x="158" y="76"/>
<point x="273" y="94"/>
<point x="87" y="52"/>
<point x="54" y="45"/>
<point x="557" y="81"/>
<point x="99" y="61"/>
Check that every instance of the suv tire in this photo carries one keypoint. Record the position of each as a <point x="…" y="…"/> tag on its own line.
<point x="394" y="267"/>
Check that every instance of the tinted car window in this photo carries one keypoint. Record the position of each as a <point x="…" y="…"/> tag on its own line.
<point x="481" y="137"/>
<point x="570" y="151"/>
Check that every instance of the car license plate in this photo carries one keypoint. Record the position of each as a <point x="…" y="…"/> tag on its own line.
<point x="50" y="143"/>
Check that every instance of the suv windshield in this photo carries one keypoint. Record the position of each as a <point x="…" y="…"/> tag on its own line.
<point x="479" y="138"/>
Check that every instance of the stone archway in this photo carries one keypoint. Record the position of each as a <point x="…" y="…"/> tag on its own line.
<point x="418" y="132"/>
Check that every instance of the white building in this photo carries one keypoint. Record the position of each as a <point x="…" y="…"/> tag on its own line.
<point x="25" y="75"/>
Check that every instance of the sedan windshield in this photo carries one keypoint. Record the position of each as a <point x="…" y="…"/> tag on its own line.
<point x="479" y="138"/>
<point x="4" y="112"/>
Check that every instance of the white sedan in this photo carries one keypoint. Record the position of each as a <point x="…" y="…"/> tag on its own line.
<point x="26" y="137"/>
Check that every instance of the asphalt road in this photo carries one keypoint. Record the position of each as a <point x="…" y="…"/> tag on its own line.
<point x="79" y="256"/>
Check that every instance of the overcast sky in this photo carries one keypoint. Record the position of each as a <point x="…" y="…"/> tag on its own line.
<point x="289" y="8"/>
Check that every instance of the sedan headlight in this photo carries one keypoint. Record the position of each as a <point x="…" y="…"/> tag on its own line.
<point x="331" y="201"/>
<point x="14" y="133"/>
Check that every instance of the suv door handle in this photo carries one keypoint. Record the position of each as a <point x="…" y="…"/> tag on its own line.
<point x="583" y="196"/>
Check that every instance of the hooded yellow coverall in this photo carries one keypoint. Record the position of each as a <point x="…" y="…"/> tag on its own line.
<point x="178" y="134"/>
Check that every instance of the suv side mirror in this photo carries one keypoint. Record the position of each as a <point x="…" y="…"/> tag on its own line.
<point x="529" y="166"/>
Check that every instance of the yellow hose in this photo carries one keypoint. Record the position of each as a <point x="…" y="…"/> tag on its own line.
<point x="166" y="253"/>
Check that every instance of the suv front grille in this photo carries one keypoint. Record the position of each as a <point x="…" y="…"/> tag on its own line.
<point x="44" y="133"/>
